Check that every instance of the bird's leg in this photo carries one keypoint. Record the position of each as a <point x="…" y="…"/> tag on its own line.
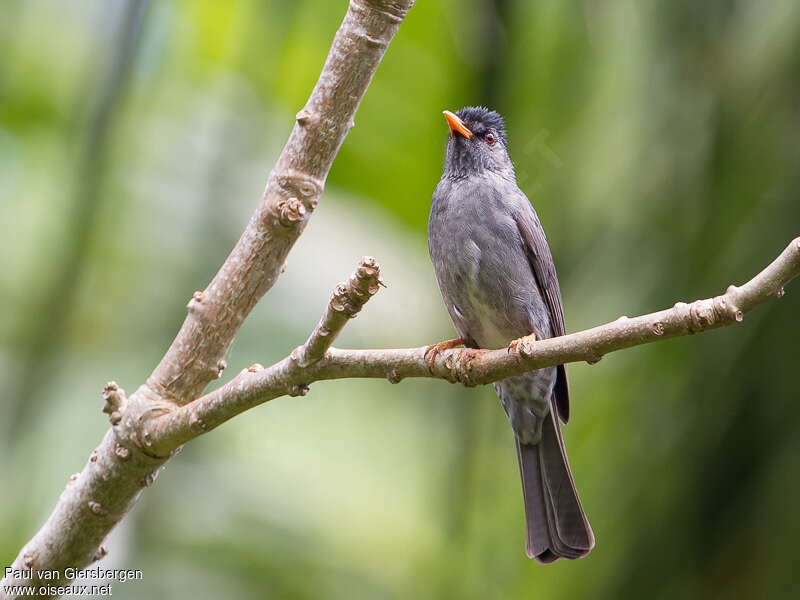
<point x="432" y="351"/>
<point x="522" y="345"/>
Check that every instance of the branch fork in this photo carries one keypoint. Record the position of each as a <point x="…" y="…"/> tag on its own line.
<point x="318" y="360"/>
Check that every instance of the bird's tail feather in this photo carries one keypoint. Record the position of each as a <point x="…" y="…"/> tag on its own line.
<point x="555" y="523"/>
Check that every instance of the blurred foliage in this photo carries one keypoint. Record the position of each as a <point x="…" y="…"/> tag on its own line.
<point x="659" y="143"/>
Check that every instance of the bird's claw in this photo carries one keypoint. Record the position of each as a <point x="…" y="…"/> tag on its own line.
<point x="522" y="345"/>
<point x="432" y="351"/>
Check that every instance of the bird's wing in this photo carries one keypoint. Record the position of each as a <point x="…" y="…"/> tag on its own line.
<point x="544" y="269"/>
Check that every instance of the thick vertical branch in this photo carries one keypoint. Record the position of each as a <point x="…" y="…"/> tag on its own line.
<point x="98" y="497"/>
<point x="215" y="314"/>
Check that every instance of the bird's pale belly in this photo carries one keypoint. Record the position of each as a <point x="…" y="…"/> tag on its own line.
<point x="493" y="302"/>
<point x="484" y="318"/>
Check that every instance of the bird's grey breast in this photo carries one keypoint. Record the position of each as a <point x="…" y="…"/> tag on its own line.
<point x="480" y="261"/>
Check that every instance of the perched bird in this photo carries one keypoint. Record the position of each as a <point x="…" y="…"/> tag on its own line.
<point x="499" y="283"/>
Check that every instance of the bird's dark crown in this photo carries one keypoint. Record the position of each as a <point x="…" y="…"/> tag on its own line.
<point x="473" y="154"/>
<point x="480" y="119"/>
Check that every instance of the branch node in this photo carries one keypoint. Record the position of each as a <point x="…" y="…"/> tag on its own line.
<point x="658" y="328"/>
<point x="701" y="315"/>
<point x="147" y="480"/>
<point x="291" y="211"/>
<point x="780" y="292"/>
<point x="255" y="368"/>
<point x="298" y="390"/>
<point x="393" y="376"/>
<point x="299" y="185"/>
<point x="116" y="402"/>
<point x="523" y="346"/>
<point x="221" y="366"/>
<point x="27" y="560"/>
<point x="297" y="355"/>
<point x="339" y="301"/>
<point x="97" y="508"/>
<point x="196" y="302"/>
<point x="307" y="189"/>
<point x="727" y="310"/>
<point x="93" y="456"/>
<point x="374" y="42"/>
<point x="303" y="117"/>
<point x="390" y="11"/>
<point x="74" y="477"/>
<point x="122" y="452"/>
<point x="101" y="552"/>
<point x="197" y="424"/>
<point x="460" y="366"/>
<point x="594" y="359"/>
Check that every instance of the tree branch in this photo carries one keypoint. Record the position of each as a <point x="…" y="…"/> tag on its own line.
<point x="150" y="425"/>
<point x="125" y="461"/>
<point x="196" y="356"/>
<point x="346" y="301"/>
<point x="291" y="376"/>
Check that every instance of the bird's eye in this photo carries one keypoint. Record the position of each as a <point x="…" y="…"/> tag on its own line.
<point x="490" y="139"/>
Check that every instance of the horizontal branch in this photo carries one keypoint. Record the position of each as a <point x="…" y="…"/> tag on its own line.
<point x="292" y="377"/>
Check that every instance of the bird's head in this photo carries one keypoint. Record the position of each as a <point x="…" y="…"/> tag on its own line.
<point x="477" y="142"/>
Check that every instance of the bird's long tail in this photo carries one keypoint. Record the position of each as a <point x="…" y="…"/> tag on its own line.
<point x="555" y="523"/>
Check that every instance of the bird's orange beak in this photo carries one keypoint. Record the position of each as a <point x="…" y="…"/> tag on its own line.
<point x="456" y="124"/>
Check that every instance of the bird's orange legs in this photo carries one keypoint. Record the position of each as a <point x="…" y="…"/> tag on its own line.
<point x="432" y="351"/>
<point x="519" y="345"/>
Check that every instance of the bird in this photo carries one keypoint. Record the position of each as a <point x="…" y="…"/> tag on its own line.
<point x="498" y="280"/>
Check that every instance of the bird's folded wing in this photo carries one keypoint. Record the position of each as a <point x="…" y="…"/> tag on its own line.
<point x="544" y="270"/>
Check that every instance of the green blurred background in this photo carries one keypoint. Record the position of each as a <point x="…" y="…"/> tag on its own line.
<point x="660" y="143"/>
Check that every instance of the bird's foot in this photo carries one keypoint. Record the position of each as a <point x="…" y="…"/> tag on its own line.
<point x="523" y="345"/>
<point x="432" y="351"/>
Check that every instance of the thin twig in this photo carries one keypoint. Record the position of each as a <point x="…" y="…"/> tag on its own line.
<point x="346" y="301"/>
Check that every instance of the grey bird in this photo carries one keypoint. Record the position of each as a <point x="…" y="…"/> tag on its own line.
<point x="499" y="283"/>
